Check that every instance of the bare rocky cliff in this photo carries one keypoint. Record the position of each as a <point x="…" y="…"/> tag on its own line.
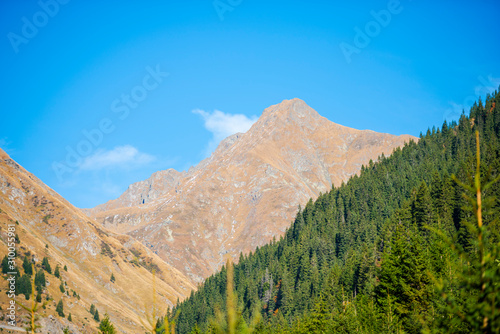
<point x="247" y="191"/>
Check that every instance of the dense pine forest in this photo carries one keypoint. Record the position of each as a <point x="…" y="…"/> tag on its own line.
<point x="410" y="245"/>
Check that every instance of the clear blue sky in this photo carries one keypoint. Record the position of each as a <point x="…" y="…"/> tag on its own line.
<point x="70" y="67"/>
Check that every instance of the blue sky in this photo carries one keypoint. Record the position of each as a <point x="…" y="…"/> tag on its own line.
<point x="132" y="87"/>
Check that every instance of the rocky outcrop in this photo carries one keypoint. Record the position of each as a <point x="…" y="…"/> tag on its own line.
<point x="143" y="192"/>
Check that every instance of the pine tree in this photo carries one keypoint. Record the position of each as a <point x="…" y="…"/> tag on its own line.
<point x="69" y="317"/>
<point x="28" y="269"/>
<point x="61" y="287"/>
<point x="65" y="268"/>
<point x="106" y="327"/>
<point x="96" y="315"/>
<point x="403" y="277"/>
<point x="421" y="209"/>
<point x="317" y="322"/>
<point x="46" y="265"/>
<point x="5" y="265"/>
<point x="40" y="281"/>
<point x="112" y="279"/>
<point x="92" y="309"/>
<point x="24" y="286"/>
<point x="60" y="308"/>
<point x="56" y="272"/>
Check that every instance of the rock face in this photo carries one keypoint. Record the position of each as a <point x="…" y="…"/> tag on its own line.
<point x="246" y="192"/>
<point x="49" y="226"/>
<point x="145" y="191"/>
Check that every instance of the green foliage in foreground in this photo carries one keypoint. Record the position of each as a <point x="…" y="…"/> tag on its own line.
<point x="106" y="327"/>
<point x="403" y="248"/>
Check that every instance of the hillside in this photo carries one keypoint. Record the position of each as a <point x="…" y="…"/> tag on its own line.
<point x="49" y="227"/>
<point x="247" y="192"/>
<point x="399" y="249"/>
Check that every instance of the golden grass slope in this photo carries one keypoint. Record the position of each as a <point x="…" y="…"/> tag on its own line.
<point x="50" y="226"/>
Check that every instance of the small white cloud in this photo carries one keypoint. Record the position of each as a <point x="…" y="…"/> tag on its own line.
<point x="222" y="125"/>
<point x="4" y="145"/>
<point x="122" y="157"/>
<point x="488" y="85"/>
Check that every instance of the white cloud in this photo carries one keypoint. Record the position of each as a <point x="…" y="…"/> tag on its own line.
<point x="222" y="125"/>
<point x="4" y="145"/>
<point x="487" y="86"/>
<point x="125" y="157"/>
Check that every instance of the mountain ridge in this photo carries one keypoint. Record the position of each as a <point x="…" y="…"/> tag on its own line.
<point x="248" y="190"/>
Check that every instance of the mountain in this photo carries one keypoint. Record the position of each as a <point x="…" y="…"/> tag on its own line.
<point x="47" y="226"/>
<point x="246" y="192"/>
<point x="405" y="247"/>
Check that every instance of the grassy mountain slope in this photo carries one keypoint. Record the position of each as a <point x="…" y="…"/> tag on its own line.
<point x="49" y="226"/>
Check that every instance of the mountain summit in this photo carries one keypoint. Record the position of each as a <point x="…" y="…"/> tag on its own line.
<point x="247" y="191"/>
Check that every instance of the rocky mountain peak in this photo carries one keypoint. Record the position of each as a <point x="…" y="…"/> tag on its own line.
<point x="247" y="191"/>
<point x="294" y="109"/>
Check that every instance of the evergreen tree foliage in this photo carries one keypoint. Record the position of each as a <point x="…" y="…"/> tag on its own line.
<point x="28" y="269"/>
<point x="60" y="308"/>
<point x="46" y="265"/>
<point x="40" y="281"/>
<point x="32" y="310"/>
<point x="5" y="265"/>
<point x="106" y="327"/>
<point x="23" y="286"/>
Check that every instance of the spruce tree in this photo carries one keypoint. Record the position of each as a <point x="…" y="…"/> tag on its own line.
<point x="40" y="281"/>
<point x="28" y="269"/>
<point x="46" y="265"/>
<point x="5" y="265"/>
<point x="60" y="308"/>
<point x="24" y="286"/>
<point x="106" y="327"/>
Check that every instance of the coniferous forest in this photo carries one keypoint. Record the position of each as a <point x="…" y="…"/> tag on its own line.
<point x="410" y="245"/>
